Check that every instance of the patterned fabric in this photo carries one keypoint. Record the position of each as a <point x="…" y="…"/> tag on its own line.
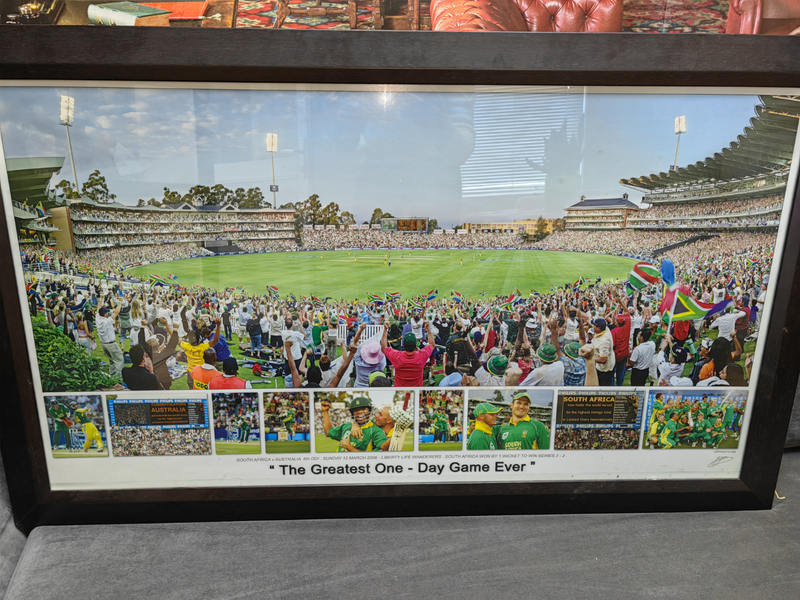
<point x="687" y="16"/>
<point x="639" y="16"/>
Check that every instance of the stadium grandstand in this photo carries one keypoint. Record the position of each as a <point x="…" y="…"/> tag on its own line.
<point x="28" y="179"/>
<point x="604" y="213"/>
<point x="741" y="187"/>
<point x="215" y="228"/>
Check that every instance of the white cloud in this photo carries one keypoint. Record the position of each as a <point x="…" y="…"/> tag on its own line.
<point x="134" y="115"/>
<point x="103" y="121"/>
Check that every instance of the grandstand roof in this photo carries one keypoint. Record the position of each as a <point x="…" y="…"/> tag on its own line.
<point x="765" y="147"/>
<point x="603" y="204"/>
<point x="182" y="206"/>
<point x="29" y="178"/>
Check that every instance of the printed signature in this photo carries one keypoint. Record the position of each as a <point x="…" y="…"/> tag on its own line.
<point x="719" y="461"/>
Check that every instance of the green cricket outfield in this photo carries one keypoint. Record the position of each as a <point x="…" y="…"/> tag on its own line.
<point x="353" y="274"/>
<point x="288" y="447"/>
<point x="251" y="447"/>
<point x="440" y="447"/>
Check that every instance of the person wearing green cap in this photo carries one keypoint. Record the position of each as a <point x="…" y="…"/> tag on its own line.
<point x="409" y="365"/>
<point x="372" y="438"/>
<point x="521" y="432"/>
<point x="482" y="437"/>
<point x="494" y="373"/>
<point x="551" y="371"/>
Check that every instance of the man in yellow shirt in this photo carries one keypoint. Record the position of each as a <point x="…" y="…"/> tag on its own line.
<point x="194" y="348"/>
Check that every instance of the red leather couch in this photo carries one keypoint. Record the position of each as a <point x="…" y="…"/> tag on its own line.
<point x="527" y="15"/>
<point x="772" y="17"/>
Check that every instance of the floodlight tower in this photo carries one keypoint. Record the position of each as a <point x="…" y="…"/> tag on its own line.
<point x="272" y="148"/>
<point x="680" y="127"/>
<point x="66" y="118"/>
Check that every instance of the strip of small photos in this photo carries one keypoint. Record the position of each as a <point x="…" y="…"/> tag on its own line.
<point x="132" y="424"/>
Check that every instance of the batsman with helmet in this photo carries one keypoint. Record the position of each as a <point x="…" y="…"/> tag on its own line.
<point x="373" y="437"/>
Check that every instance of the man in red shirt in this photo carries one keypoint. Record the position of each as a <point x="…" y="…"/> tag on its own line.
<point x="743" y="323"/>
<point x="621" y="335"/>
<point x="410" y="364"/>
<point x="228" y="380"/>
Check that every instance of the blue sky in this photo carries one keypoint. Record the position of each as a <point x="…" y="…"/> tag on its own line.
<point x="402" y="152"/>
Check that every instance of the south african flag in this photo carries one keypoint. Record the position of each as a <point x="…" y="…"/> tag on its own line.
<point x="643" y="274"/>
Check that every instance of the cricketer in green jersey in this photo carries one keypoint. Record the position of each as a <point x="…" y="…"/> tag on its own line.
<point x="89" y="430"/>
<point x="717" y="432"/>
<point x="244" y="430"/>
<point x="521" y="433"/>
<point x="482" y="437"/>
<point x="704" y="406"/>
<point x="702" y="431"/>
<point x="728" y="411"/>
<point x="668" y="438"/>
<point x="658" y="408"/>
<point x="59" y="412"/>
<point x="656" y="429"/>
<point x="441" y="426"/>
<point x="288" y="422"/>
<point x="372" y="438"/>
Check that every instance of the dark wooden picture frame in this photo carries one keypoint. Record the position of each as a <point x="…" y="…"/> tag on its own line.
<point x="283" y="56"/>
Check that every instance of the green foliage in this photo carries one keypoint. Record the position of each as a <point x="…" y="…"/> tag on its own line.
<point x="67" y="188"/>
<point x="63" y="365"/>
<point x="97" y="189"/>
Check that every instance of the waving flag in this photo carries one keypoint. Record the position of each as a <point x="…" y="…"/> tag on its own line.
<point x="376" y="300"/>
<point x="155" y="280"/>
<point x="40" y="209"/>
<point x="750" y="264"/>
<point x="48" y="250"/>
<point x="458" y="297"/>
<point x="413" y="305"/>
<point x="173" y="276"/>
<point x="644" y="274"/>
<point x="433" y="293"/>
<point x="485" y="313"/>
<point x="689" y="309"/>
<point x="393" y="296"/>
<point x="667" y="272"/>
<point x="342" y="320"/>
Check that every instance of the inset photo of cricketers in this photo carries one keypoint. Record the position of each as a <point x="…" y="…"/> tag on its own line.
<point x="694" y="419"/>
<point x="509" y="419"/>
<point x="76" y="425"/>
<point x="364" y="420"/>
<point x="598" y="420"/>
<point x="159" y="426"/>
<point x="287" y="428"/>
<point x="441" y="420"/>
<point x="236" y="423"/>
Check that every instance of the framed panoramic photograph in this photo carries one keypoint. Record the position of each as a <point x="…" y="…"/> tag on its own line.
<point x="211" y="282"/>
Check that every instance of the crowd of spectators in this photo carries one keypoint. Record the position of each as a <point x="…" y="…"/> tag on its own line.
<point x="103" y="241"/>
<point x="277" y="406"/>
<point x="84" y="227"/>
<point x="229" y="409"/>
<point x="98" y="262"/>
<point x="722" y="188"/>
<point x="154" y="441"/>
<point x="610" y="242"/>
<point x="371" y="238"/>
<point x="175" y="216"/>
<point x="743" y="206"/>
<point x="596" y="439"/>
